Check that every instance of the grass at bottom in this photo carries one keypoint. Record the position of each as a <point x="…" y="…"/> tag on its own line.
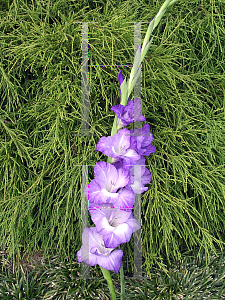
<point x="188" y="279"/>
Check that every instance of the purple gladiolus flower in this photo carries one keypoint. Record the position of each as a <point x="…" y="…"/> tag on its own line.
<point x="119" y="146"/>
<point x="115" y="225"/>
<point x="140" y="179"/>
<point x="106" y="183"/>
<point x="98" y="253"/>
<point x="142" y="139"/>
<point x="129" y="113"/>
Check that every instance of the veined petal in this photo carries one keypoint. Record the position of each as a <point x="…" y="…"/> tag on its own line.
<point x="148" y="150"/>
<point x="106" y="174"/>
<point x="111" y="262"/>
<point x="144" y="138"/>
<point x="107" y="219"/>
<point x="116" y="145"/>
<point x="93" y="251"/>
<point x="105" y="146"/>
<point x="120" y="235"/>
<point x="118" y="109"/>
<point x="122" y="232"/>
<point x="126" y="199"/>
<point x="122" y="179"/>
<point x="133" y="223"/>
<point x="129" y="113"/>
<point x="131" y="157"/>
<point x="121" y="141"/>
<point x="134" y="111"/>
<point x="92" y="190"/>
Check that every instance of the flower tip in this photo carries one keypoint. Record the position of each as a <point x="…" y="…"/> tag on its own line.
<point x="120" y="77"/>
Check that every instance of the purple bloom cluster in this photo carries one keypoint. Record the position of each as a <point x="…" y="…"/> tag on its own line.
<point x="111" y="193"/>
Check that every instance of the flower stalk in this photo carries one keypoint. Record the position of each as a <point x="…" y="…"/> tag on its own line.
<point x="108" y="278"/>
<point x="122" y="283"/>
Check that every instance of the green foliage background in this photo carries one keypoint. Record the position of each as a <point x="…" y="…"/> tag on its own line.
<point x="183" y="101"/>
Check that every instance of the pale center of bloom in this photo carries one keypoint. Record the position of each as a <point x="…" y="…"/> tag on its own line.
<point x="113" y="222"/>
<point x="118" y="149"/>
<point x="112" y="186"/>
<point x="109" y="194"/>
<point x="122" y="149"/>
<point x="102" y="250"/>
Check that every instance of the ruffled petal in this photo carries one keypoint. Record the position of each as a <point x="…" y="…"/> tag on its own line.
<point x="111" y="262"/>
<point x="148" y="150"/>
<point x="93" y="251"/>
<point x="130" y="157"/>
<point x="122" y="179"/>
<point x="118" y="109"/>
<point x="122" y="232"/>
<point x="134" y="109"/>
<point x="121" y="141"/>
<point x="107" y="220"/>
<point x="126" y="199"/>
<point x="116" y="145"/>
<point x="92" y="190"/>
<point x="106" y="174"/>
<point x="106" y="147"/>
<point x="143" y="137"/>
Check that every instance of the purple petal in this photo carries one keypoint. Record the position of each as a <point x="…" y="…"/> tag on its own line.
<point x="138" y="187"/>
<point x="134" y="108"/>
<point x="92" y="190"/>
<point x="114" y="224"/>
<point x="130" y="113"/>
<point x="116" y="145"/>
<point x="131" y="157"/>
<point x="122" y="232"/>
<point x="105" y="146"/>
<point x="105" y="174"/>
<point x="118" y="109"/>
<point x="126" y="199"/>
<point x="143" y="137"/>
<point x="133" y="223"/>
<point x="121" y="141"/>
<point x="120" y="77"/>
<point x="113" y="262"/>
<point x="122" y="179"/>
<point x="139" y="177"/>
<point x="148" y="150"/>
<point x="147" y="177"/>
<point x="97" y="253"/>
<point x="96" y="194"/>
<point x="107" y="181"/>
<point x="118" y="164"/>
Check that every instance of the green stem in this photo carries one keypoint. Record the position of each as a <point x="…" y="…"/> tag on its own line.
<point x="108" y="278"/>
<point x="122" y="283"/>
<point x="114" y="131"/>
